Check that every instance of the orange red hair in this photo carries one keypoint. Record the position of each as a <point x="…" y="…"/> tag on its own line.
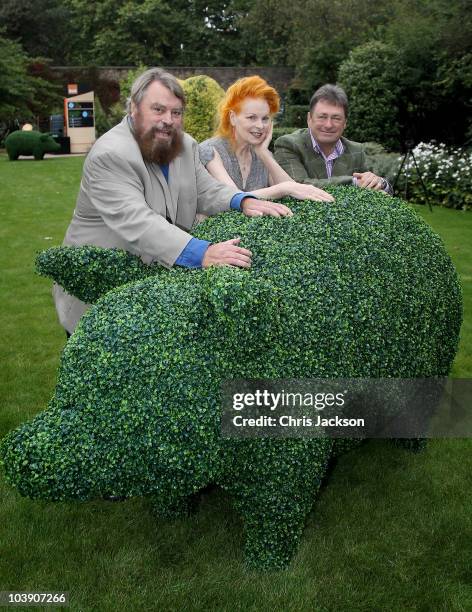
<point x="247" y="87"/>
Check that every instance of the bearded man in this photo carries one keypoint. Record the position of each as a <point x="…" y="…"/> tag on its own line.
<point x="142" y="186"/>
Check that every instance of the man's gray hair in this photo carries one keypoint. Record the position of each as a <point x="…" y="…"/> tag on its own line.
<point x="140" y="85"/>
<point x="331" y="93"/>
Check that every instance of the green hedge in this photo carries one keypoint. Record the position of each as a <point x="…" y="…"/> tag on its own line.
<point x="356" y="288"/>
<point x="370" y="77"/>
<point x="380" y="161"/>
<point x="295" y="114"/>
<point x="203" y="94"/>
<point x="280" y="131"/>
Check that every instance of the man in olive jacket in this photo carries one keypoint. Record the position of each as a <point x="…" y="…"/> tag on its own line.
<point x="320" y="155"/>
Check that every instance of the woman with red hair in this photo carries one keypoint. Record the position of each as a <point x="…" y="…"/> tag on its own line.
<point x="238" y="155"/>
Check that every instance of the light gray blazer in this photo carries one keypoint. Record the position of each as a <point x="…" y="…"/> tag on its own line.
<point x="123" y="202"/>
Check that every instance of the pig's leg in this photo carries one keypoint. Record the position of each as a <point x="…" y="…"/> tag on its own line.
<point x="274" y="488"/>
<point x="38" y="153"/>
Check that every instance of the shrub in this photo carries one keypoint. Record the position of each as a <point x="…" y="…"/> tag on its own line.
<point x="380" y="162"/>
<point x="127" y="82"/>
<point x="116" y="113"/>
<point x="103" y="121"/>
<point x="203" y="95"/>
<point x="295" y="114"/>
<point x="356" y="288"/>
<point x="369" y="76"/>
<point x="280" y="131"/>
<point x="446" y="172"/>
<point x="374" y="148"/>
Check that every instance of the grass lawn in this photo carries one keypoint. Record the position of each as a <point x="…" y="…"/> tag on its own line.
<point x="391" y="531"/>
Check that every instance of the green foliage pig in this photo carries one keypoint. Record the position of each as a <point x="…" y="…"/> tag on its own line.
<point x="356" y="288"/>
<point x="30" y="143"/>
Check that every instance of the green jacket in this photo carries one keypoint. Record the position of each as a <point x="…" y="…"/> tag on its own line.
<point x="294" y="152"/>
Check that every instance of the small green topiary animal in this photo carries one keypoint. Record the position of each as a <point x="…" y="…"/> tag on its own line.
<point x="30" y="143"/>
<point x="356" y="288"/>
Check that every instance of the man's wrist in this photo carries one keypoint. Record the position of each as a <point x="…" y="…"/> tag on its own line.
<point x="193" y="253"/>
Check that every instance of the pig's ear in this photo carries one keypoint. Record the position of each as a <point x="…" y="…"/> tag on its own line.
<point x="88" y="272"/>
<point x="243" y="304"/>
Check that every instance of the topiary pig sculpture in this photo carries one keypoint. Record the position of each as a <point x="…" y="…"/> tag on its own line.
<point x="30" y="143"/>
<point x="356" y="288"/>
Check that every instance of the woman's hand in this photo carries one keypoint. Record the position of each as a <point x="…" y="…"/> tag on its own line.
<point x="264" y="145"/>
<point x="257" y="208"/>
<point x="307" y="192"/>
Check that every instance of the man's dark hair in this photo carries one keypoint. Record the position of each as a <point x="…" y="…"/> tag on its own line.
<point x="331" y="93"/>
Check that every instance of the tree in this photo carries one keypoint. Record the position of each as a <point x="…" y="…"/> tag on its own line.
<point x="40" y="26"/>
<point x="124" y="32"/>
<point x="23" y="94"/>
<point x="268" y="32"/>
<point x="214" y="33"/>
<point x="16" y="89"/>
<point x="370" y="78"/>
<point x="327" y="30"/>
<point x="434" y="40"/>
<point x="183" y="32"/>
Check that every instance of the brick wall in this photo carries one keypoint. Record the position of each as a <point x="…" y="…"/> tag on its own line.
<point x="104" y="79"/>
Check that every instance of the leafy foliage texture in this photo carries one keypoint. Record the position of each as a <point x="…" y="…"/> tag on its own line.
<point x="356" y="288"/>
<point x="30" y="143"/>
<point x="203" y="95"/>
<point x="25" y="90"/>
<point x="369" y="76"/>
